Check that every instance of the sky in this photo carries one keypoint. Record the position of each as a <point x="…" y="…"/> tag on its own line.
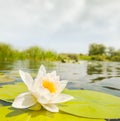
<point x="62" y="25"/>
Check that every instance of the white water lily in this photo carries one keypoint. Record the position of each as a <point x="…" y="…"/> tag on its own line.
<point x="45" y="89"/>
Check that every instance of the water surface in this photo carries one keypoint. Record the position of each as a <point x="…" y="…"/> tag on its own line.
<point x="91" y="75"/>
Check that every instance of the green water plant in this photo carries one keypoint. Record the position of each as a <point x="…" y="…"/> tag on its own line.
<point x="85" y="106"/>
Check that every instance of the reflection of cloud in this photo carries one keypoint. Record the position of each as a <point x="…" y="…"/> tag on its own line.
<point x="86" y="20"/>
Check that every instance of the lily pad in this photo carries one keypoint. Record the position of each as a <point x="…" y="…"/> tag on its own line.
<point x="9" y="92"/>
<point x="92" y="104"/>
<point x="10" y="114"/>
<point x="86" y="103"/>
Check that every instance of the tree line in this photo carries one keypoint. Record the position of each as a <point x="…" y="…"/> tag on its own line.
<point x="8" y="53"/>
<point x="101" y="52"/>
<point x="97" y="52"/>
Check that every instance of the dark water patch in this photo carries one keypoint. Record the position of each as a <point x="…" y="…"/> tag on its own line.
<point x="97" y="79"/>
<point x="13" y="82"/>
<point x="111" y="88"/>
<point x="118" y="68"/>
<point x="102" y="78"/>
<point x="109" y="69"/>
<point x="113" y="120"/>
<point x="113" y="82"/>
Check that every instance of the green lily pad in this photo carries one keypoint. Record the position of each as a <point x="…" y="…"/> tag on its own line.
<point x="86" y="103"/>
<point x="10" y="114"/>
<point x="9" y="92"/>
<point x="92" y="104"/>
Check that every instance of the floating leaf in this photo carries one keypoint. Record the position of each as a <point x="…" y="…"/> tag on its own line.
<point x="87" y="103"/>
<point x="9" y="114"/>
<point x="92" y="104"/>
<point x="36" y="107"/>
<point x="9" y="92"/>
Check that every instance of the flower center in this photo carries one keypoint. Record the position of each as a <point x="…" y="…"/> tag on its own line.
<point x="49" y="85"/>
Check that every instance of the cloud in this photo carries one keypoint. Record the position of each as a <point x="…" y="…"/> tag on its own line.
<point x="44" y="14"/>
<point x="103" y="16"/>
<point x="33" y="20"/>
<point x="80" y="21"/>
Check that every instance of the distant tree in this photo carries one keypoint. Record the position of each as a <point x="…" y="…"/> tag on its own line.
<point x="97" y="49"/>
<point x="6" y="52"/>
<point x="111" y="51"/>
<point x="118" y="52"/>
<point x="73" y="57"/>
<point x="34" y="53"/>
<point x="50" y="55"/>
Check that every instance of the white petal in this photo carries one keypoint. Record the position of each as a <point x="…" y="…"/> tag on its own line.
<point x="51" y="107"/>
<point x="57" y="78"/>
<point x="41" y="72"/>
<point x="62" y="85"/>
<point x="24" y="100"/>
<point x="44" y="98"/>
<point x="40" y="91"/>
<point x="62" y="98"/>
<point x="53" y="74"/>
<point x="40" y="75"/>
<point x="27" y="79"/>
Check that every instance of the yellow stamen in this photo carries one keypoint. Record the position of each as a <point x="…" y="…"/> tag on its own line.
<point x="49" y="85"/>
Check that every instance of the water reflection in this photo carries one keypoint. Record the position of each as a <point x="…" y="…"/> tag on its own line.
<point x="6" y="66"/>
<point x="93" y="75"/>
<point x="86" y="75"/>
<point x="94" y="68"/>
<point x="9" y="71"/>
<point x="103" y="70"/>
<point x="28" y="65"/>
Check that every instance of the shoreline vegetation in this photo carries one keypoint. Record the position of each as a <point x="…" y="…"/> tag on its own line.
<point x="97" y="52"/>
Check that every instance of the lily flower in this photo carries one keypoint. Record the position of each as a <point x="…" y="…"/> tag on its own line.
<point x="45" y="89"/>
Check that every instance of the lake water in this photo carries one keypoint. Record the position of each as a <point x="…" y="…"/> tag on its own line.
<point x="90" y="75"/>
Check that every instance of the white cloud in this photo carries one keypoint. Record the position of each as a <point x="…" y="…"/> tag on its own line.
<point x="104" y="15"/>
<point x="39" y="21"/>
<point x="45" y="14"/>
